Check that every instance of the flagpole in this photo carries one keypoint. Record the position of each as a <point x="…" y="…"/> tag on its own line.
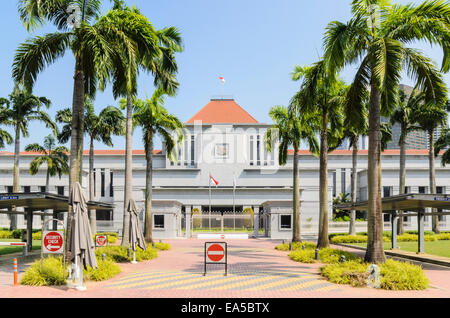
<point x="209" y="201"/>
<point x="234" y="205"/>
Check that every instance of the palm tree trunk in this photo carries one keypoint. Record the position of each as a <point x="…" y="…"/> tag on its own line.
<point x="434" y="218"/>
<point x="76" y="139"/>
<point x="92" y="213"/>
<point x="16" y="174"/>
<point x="375" y="251"/>
<point x="352" y="227"/>
<point x="128" y="171"/>
<point x="148" y="189"/>
<point x="296" y="197"/>
<point x="400" y="227"/>
<point x="323" y="186"/>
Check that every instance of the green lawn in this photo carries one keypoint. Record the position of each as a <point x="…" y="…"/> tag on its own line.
<point x="15" y="249"/>
<point x="439" y="248"/>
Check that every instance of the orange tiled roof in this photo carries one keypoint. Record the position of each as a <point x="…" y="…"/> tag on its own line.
<point x="223" y="111"/>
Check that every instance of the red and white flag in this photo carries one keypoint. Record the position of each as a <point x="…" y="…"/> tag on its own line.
<point x="222" y="80"/>
<point x="212" y="180"/>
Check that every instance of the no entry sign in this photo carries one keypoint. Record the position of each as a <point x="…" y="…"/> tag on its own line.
<point x="101" y="240"/>
<point x="53" y="242"/>
<point x="216" y="253"/>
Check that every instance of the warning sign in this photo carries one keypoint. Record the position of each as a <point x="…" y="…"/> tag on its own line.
<point x="53" y="242"/>
<point x="101" y="240"/>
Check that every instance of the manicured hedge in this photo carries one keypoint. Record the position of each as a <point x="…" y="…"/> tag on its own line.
<point x="295" y="246"/>
<point x="119" y="254"/>
<point x="326" y="255"/>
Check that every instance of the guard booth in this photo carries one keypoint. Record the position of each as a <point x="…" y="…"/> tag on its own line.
<point x="407" y="205"/>
<point x="37" y="203"/>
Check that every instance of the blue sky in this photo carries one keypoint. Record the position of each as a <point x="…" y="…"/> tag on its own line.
<point x="253" y="44"/>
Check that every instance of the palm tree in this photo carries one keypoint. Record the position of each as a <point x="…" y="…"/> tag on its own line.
<point x="96" y="44"/>
<point x="403" y="116"/>
<point x="5" y="137"/>
<point x="428" y="119"/>
<point x="443" y="142"/>
<point x="290" y="129"/>
<point x="322" y="93"/>
<point x="376" y="37"/>
<point x="22" y="108"/>
<point x="155" y="55"/>
<point x="56" y="158"/>
<point x="155" y="119"/>
<point x="101" y="127"/>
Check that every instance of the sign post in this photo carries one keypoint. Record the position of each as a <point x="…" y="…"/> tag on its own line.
<point x="52" y="242"/>
<point x="216" y="253"/>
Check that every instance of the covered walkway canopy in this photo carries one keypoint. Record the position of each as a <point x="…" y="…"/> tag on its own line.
<point x="413" y="204"/>
<point x="39" y="203"/>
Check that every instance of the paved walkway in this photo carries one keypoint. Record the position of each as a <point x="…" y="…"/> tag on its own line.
<point x="256" y="270"/>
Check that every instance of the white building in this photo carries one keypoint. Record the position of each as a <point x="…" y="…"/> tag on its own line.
<point x="224" y="141"/>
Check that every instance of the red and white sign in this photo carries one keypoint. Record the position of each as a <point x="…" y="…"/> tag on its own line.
<point x="216" y="253"/>
<point x="53" y="242"/>
<point x="101" y="240"/>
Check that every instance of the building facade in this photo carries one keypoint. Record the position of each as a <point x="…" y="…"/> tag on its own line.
<point x="226" y="143"/>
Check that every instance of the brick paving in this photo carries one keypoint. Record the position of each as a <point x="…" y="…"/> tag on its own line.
<point x="256" y="270"/>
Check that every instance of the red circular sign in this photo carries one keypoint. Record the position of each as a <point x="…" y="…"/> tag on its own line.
<point x="215" y="253"/>
<point x="53" y="241"/>
<point x="101" y="240"/>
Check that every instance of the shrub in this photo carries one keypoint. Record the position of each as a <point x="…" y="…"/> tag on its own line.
<point x="331" y="255"/>
<point x="106" y="270"/>
<point x="443" y="236"/>
<point x="353" y="239"/>
<point x="162" y="246"/>
<point x="17" y="234"/>
<point x="295" y="246"/>
<point x="397" y="275"/>
<point x="417" y="232"/>
<point x="119" y="254"/>
<point x="349" y="273"/>
<point x="414" y="238"/>
<point x="51" y="273"/>
<point x="349" y="239"/>
<point x="4" y="234"/>
<point x="303" y="256"/>
<point x="148" y="254"/>
<point x="36" y="236"/>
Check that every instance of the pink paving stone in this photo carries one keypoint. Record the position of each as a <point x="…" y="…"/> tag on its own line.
<point x="245" y="256"/>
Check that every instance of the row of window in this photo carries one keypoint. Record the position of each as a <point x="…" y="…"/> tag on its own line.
<point x="27" y="189"/>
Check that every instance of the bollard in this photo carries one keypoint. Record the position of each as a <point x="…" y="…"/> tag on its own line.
<point x="317" y="254"/>
<point x="342" y="259"/>
<point x="129" y="252"/>
<point x="15" y="272"/>
<point x="290" y="246"/>
<point x="153" y="244"/>
<point x="303" y="247"/>
<point x="103" y="257"/>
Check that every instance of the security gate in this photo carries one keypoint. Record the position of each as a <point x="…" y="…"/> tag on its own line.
<point x="226" y="221"/>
